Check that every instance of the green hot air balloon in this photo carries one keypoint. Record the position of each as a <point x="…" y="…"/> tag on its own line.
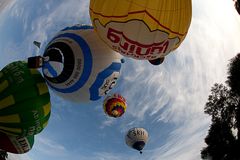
<point x="24" y="100"/>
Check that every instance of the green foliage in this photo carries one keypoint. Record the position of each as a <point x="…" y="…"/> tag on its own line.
<point x="233" y="79"/>
<point x="220" y="141"/>
<point x="223" y="106"/>
<point x="237" y="6"/>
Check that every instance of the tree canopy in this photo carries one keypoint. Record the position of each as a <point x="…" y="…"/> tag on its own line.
<point x="237" y="6"/>
<point x="223" y="106"/>
<point x="233" y="79"/>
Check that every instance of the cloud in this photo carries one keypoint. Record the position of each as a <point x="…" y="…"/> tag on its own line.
<point x="168" y="99"/>
<point x="49" y="147"/>
<point x="37" y="23"/>
<point x="181" y="85"/>
<point x="107" y="122"/>
<point x="176" y="92"/>
<point x="5" y="4"/>
<point x="107" y="156"/>
<point x="185" y="142"/>
<point x="18" y="157"/>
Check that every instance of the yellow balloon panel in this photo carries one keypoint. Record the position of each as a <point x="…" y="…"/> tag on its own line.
<point x="146" y="29"/>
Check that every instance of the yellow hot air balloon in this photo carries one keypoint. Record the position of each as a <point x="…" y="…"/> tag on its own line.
<point x="146" y="29"/>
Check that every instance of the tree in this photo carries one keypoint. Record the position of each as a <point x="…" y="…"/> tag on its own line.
<point x="223" y="106"/>
<point x="237" y="6"/>
<point x="3" y="155"/>
<point x="233" y="79"/>
<point x="219" y="141"/>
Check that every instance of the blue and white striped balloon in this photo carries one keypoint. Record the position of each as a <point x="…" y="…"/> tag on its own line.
<point x="80" y="67"/>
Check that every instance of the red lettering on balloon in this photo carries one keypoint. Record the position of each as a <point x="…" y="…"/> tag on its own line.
<point x="124" y="45"/>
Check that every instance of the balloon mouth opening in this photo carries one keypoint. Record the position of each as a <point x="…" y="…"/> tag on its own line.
<point x="116" y="113"/>
<point x="139" y="145"/>
<point x="61" y="63"/>
<point x="55" y="64"/>
<point x="157" y="61"/>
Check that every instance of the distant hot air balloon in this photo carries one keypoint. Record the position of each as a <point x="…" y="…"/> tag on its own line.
<point x="24" y="100"/>
<point x="78" y="66"/>
<point x="136" y="138"/>
<point x="115" y="105"/>
<point x="37" y="44"/>
<point x="16" y="144"/>
<point x="146" y="29"/>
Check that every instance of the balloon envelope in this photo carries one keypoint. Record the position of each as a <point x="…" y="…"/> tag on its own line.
<point x="136" y="138"/>
<point x="24" y="100"/>
<point x="16" y="144"/>
<point x="115" y="105"/>
<point x="146" y="29"/>
<point x="81" y="67"/>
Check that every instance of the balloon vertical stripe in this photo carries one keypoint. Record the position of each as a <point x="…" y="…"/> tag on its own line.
<point x="10" y="118"/>
<point x="101" y="77"/>
<point x="42" y="88"/>
<point x="90" y="68"/>
<point x="3" y="85"/>
<point x="47" y="109"/>
<point x="10" y="130"/>
<point x="8" y="101"/>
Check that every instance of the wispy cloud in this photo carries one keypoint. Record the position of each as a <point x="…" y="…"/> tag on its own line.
<point x="5" y="4"/>
<point x="168" y="100"/>
<point x="107" y="122"/>
<point x="176" y="92"/>
<point x="39" y="23"/>
<point x="49" y="147"/>
<point x="18" y="157"/>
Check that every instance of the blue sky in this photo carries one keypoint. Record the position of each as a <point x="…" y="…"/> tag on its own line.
<point x="167" y="100"/>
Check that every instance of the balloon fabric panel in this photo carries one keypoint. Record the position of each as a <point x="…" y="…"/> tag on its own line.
<point x="147" y="29"/>
<point x="24" y="100"/>
<point x="16" y="144"/>
<point x="90" y="68"/>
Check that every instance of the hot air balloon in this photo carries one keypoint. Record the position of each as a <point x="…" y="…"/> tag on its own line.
<point x="37" y="44"/>
<point x="24" y="100"/>
<point x="146" y="29"/>
<point x="115" y="105"/>
<point x="78" y="66"/>
<point x="16" y="144"/>
<point x="136" y="138"/>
